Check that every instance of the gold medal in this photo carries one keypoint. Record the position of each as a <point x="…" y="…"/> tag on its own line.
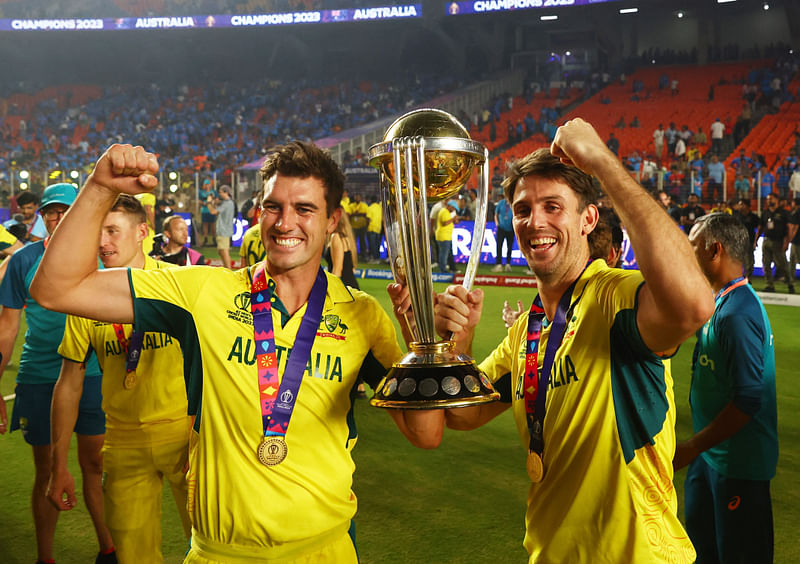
<point x="272" y="451"/>
<point x="534" y="467"/>
<point x="129" y="381"/>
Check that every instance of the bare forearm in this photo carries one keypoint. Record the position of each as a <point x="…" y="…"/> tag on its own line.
<point x="676" y="289"/>
<point x="726" y="424"/>
<point x="792" y="231"/>
<point x="468" y="418"/>
<point x="9" y="328"/>
<point x="64" y="412"/>
<point x="422" y="428"/>
<point x="663" y="253"/>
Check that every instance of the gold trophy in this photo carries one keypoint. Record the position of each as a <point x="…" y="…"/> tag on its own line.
<point x="427" y="156"/>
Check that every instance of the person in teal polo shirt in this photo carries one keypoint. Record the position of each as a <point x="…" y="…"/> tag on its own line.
<point x="38" y="372"/>
<point x="733" y="453"/>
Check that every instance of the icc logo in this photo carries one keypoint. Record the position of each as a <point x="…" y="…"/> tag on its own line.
<point x="287" y="397"/>
<point x="242" y="301"/>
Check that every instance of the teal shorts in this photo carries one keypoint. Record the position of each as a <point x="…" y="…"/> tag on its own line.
<point x="31" y="413"/>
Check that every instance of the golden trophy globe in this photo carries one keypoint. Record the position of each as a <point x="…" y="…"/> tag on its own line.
<point x="427" y="156"/>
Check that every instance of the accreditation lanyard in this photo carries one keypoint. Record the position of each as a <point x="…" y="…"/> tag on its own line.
<point x="132" y="347"/>
<point x="535" y="389"/>
<point x="730" y="286"/>
<point x="278" y="401"/>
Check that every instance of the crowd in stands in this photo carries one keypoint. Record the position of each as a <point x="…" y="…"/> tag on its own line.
<point x="209" y="129"/>
<point x="719" y="106"/>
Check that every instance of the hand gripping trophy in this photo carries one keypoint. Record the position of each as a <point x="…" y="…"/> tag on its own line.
<point x="426" y="156"/>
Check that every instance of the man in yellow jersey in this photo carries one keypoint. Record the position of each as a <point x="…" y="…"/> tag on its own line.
<point x="259" y="488"/>
<point x="443" y="233"/>
<point x="594" y="407"/>
<point x="252" y="249"/>
<point x="374" y="228"/>
<point x="144" y="398"/>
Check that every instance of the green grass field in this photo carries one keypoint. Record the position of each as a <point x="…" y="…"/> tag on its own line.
<point x="463" y="502"/>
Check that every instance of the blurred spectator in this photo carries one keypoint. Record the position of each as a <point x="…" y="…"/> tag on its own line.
<point x="742" y="186"/>
<point x="717" y="134"/>
<point x="27" y="216"/>
<point x="750" y="221"/>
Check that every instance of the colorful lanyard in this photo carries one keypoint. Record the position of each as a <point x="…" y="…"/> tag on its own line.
<point x="278" y="399"/>
<point x="730" y="286"/>
<point x="535" y="389"/>
<point x="131" y="347"/>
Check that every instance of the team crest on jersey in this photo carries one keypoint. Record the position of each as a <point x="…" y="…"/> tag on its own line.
<point x="334" y="328"/>
<point x="331" y="322"/>
<point x="242" y="301"/>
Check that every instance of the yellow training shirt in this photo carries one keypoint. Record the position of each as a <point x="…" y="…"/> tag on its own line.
<point x="154" y="410"/>
<point x="234" y="500"/>
<point x="609" y="433"/>
<point x="375" y="217"/>
<point x="444" y="232"/>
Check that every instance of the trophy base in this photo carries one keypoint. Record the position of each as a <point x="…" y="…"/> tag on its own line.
<point x="433" y="376"/>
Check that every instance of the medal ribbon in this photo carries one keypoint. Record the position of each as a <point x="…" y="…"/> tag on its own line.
<point x="131" y="347"/>
<point x="535" y="390"/>
<point x="730" y="286"/>
<point x="278" y="400"/>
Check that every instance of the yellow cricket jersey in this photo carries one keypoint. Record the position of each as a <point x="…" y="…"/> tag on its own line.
<point x="609" y="433"/>
<point x="374" y="217"/>
<point x="6" y="238"/>
<point x="252" y="249"/>
<point x="233" y="499"/>
<point x="444" y="231"/>
<point x="154" y="410"/>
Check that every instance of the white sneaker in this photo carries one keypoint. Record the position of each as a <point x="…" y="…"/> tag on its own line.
<point x="508" y="268"/>
<point x="497" y="268"/>
<point x="529" y="271"/>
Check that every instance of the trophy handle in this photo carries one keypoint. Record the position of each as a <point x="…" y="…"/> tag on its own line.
<point x="392" y="234"/>
<point x="479" y="225"/>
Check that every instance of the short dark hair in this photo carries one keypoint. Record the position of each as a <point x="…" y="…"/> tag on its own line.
<point x="300" y="159"/>
<point x="606" y="235"/>
<point x="129" y="205"/>
<point x="26" y="198"/>
<point x="541" y="163"/>
<point x="728" y="231"/>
